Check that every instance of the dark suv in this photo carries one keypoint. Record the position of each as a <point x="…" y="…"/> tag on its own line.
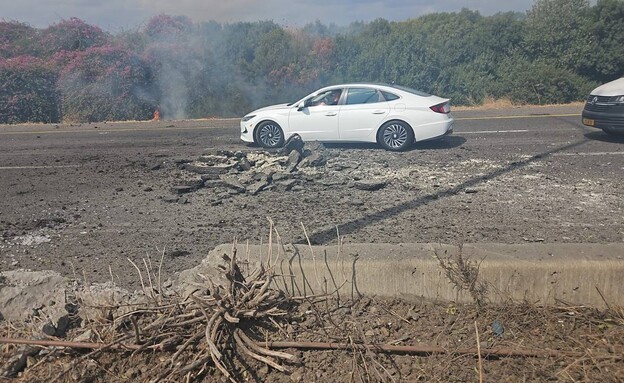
<point x="604" y="108"/>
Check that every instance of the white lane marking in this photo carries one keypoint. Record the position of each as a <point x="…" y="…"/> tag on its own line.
<point x="590" y="154"/>
<point x="39" y="167"/>
<point x="495" y="131"/>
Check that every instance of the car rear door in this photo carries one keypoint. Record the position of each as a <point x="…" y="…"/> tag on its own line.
<point x="362" y="113"/>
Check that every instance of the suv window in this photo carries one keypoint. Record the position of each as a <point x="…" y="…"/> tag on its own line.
<point x="363" y="96"/>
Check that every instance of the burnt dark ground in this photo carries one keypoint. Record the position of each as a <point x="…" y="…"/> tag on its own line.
<point x="82" y="199"/>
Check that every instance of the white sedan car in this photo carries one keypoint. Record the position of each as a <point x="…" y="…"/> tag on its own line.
<point x="391" y="115"/>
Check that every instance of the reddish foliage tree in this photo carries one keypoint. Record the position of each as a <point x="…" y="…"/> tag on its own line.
<point x="28" y="91"/>
<point x="17" y="39"/>
<point x="312" y="60"/>
<point x="323" y="52"/>
<point x="105" y="83"/>
<point x="71" y="35"/>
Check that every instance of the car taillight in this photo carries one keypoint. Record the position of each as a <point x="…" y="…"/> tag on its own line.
<point x="444" y="108"/>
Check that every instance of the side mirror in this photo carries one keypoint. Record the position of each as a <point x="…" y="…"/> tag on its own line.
<point x="301" y="105"/>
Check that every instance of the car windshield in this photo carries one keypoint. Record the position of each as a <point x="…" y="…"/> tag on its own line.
<point x="295" y="102"/>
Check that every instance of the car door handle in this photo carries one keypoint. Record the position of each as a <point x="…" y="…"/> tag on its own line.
<point x="379" y="112"/>
<point x="331" y="114"/>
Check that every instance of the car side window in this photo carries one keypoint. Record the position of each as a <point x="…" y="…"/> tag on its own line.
<point x="330" y="97"/>
<point x="363" y="96"/>
<point x="389" y="96"/>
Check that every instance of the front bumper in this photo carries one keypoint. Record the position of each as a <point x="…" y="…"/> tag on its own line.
<point x="610" y="118"/>
<point x="247" y="128"/>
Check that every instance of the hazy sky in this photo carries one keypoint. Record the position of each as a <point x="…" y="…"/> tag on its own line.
<point x="117" y="15"/>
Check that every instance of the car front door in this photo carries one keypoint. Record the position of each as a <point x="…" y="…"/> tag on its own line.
<point x="362" y="113"/>
<point x="317" y="119"/>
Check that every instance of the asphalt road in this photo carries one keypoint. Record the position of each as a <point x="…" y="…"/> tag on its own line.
<point x="87" y="196"/>
<point x="527" y="131"/>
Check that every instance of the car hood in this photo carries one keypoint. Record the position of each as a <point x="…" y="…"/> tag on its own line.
<point x="613" y="88"/>
<point x="271" y="107"/>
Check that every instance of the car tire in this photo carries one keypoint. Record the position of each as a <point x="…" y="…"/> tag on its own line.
<point x="395" y="136"/>
<point x="269" y="135"/>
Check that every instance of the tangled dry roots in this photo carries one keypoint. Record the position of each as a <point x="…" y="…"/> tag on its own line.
<point x="223" y="321"/>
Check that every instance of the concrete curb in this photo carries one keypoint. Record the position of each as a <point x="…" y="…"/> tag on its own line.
<point x="535" y="272"/>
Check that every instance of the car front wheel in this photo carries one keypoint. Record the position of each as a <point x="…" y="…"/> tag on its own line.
<point x="269" y="135"/>
<point x="395" y="136"/>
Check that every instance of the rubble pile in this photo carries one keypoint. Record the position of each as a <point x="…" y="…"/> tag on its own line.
<point x="229" y="173"/>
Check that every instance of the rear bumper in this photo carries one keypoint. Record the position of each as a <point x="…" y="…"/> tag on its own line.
<point x="434" y="130"/>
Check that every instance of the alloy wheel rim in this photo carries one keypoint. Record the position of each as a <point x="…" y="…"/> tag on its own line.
<point x="270" y="135"/>
<point x="395" y="135"/>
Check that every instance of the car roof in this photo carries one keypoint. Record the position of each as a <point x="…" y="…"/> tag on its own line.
<point x="382" y="86"/>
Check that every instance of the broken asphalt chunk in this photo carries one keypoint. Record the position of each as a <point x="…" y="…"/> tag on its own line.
<point x="293" y="160"/>
<point x="369" y="185"/>
<point x="233" y="183"/>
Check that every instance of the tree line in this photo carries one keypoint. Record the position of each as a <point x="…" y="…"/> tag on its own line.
<point x="556" y="52"/>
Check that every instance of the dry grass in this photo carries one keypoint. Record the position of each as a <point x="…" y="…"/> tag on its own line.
<point x="499" y="104"/>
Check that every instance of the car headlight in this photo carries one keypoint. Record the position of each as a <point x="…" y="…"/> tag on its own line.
<point x="248" y="117"/>
<point x="619" y="99"/>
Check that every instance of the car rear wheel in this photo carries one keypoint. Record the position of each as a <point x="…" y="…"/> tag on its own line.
<point x="395" y="136"/>
<point x="269" y="135"/>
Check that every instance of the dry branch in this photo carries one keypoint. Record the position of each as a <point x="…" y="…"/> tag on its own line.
<point x="429" y="350"/>
<point x="386" y="348"/>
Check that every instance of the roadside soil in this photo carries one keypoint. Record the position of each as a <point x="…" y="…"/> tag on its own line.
<point x="584" y="345"/>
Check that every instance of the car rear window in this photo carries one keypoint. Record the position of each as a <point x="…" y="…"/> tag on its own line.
<point x="410" y="90"/>
<point x="389" y="96"/>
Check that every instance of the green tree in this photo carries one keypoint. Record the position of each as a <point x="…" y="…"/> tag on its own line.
<point x="524" y="81"/>
<point x="237" y="46"/>
<point x="606" y="61"/>
<point x="274" y="51"/>
<point x="558" y="32"/>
